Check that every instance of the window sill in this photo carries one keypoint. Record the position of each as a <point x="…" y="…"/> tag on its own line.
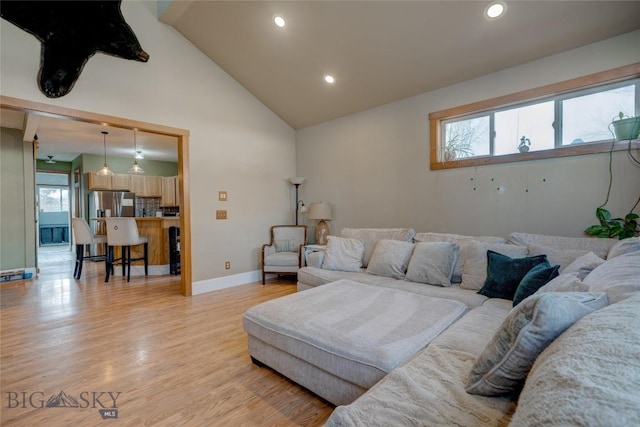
<point x="573" y="150"/>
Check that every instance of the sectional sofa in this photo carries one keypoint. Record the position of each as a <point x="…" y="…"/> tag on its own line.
<point x="402" y="328"/>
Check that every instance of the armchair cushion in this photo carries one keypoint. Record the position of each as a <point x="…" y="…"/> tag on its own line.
<point x="282" y="259"/>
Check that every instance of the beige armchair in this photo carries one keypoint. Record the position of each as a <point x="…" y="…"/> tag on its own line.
<point x="284" y="254"/>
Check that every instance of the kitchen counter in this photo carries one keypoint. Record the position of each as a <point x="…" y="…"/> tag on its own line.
<point x="156" y="230"/>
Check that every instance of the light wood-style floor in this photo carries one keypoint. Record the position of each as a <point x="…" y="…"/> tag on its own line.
<point x="174" y="361"/>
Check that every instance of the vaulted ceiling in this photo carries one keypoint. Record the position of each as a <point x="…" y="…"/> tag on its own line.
<point x="381" y="51"/>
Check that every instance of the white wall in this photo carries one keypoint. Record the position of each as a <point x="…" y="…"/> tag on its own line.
<point x="373" y="167"/>
<point x="236" y="143"/>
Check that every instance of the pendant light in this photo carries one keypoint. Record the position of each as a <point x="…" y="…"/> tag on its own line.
<point x="105" y="171"/>
<point x="135" y="169"/>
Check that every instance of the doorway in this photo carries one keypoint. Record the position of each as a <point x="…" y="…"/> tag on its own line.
<point x="53" y="204"/>
<point x="182" y="137"/>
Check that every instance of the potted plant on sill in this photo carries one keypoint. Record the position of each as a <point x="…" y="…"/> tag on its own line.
<point x="457" y="148"/>
<point x="525" y="143"/>
<point x="625" y="127"/>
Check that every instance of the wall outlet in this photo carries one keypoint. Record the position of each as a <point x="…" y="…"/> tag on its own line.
<point x="227" y="265"/>
<point x="222" y="196"/>
<point x="221" y="214"/>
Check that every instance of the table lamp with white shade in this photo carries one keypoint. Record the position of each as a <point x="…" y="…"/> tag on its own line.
<point x="321" y="211"/>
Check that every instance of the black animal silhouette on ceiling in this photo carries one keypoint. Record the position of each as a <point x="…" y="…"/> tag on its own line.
<point x="71" y="32"/>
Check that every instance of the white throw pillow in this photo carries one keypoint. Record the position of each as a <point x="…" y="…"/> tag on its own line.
<point x="584" y="265"/>
<point x="433" y="263"/>
<point x="528" y="329"/>
<point x="390" y="258"/>
<point x="566" y="282"/>
<point x="343" y="254"/>
<point x="475" y="261"/>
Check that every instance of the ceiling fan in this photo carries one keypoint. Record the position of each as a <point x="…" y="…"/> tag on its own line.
<point x="50" y="161"/>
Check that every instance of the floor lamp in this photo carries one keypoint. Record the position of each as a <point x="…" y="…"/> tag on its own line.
<point x="297" y="181"/>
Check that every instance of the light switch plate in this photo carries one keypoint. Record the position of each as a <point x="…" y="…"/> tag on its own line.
<point x="222" y="196"/>
<point x="221" y="214"/>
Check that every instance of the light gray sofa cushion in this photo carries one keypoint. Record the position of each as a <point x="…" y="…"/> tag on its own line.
<point x="528" y="329"/>
<point x="429" y="390"/>
<point x="590" y="375"/>
<point x="624" y="246"/>
<point x="461" y="241"/>
<point x="596" y="245"/>
<point x="561" y="257"/>
<point x="390" y="258"/>
<point x="618" y="277"/>
<point x="584" y="265"/>
<point x="311" y="277"/>
<point x="343" y="254"/>
<point x="371" y="236"/>
<point x="349" y="329"/>
<point x="566" y="282"/>
<point x="433" y="263"/>
<point x="475" y="264"/>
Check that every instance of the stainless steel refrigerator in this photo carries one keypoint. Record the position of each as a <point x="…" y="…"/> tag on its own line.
<point x="108" y="203"/>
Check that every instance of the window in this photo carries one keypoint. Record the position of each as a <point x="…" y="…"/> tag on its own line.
<point x="563" y="119"/>
<point x="53" y="191"/>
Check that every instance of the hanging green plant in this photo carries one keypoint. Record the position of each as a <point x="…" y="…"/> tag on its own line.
<point x="621" y="228"/>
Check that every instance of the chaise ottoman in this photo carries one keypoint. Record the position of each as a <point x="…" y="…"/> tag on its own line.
<point x="340" y="339"/>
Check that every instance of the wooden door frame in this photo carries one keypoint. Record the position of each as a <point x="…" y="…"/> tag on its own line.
<point x="182" y="136"/>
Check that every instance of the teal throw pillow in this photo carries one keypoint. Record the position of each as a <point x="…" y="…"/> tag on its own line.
<point x="536" y="278"/>
<point x="504" y="274"/>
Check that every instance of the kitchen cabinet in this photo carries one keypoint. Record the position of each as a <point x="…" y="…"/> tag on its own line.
<point x="170" y="191"/>
<point x="146" y="186"/>
<point x="120" y="181"/>
<point x="98" y="182"/>
<point x="153" y="186"/>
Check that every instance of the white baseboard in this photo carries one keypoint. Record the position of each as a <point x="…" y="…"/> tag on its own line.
<point x="210" y="285"/>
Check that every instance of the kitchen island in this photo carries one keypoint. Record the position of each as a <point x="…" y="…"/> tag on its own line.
<point x="156" y="230"/>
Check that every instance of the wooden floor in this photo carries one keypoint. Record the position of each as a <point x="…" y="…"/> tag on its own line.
<point x="166" y="359"/>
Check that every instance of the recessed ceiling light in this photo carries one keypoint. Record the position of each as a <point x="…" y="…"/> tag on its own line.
<point x="329" y="78"/>
<point x="279" y="21"/>
<point x="495" y="10"/>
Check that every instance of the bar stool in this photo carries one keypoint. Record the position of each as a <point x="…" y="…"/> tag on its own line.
<point x="124" y="232"/>
<point x="83" y="236"/>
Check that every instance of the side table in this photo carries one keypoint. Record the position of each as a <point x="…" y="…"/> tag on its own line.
<point x="312" y="248"/>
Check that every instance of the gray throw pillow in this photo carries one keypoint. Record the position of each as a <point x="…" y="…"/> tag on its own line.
<point x="433" y="263"/>
<point x="343" y="254"/>
<point x="526" y="331"/>
<point x="390" y="258"/>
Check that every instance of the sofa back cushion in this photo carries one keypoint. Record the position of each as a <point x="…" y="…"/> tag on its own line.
<point x="619" y="277"/>
<point x="461" y="241"/>
<point x="596" y="245"/>
<point x="624" y="246"/>
<point x="590" y="375"/>
<point x="370" y="236"/>
<point x="475" y="261"/>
